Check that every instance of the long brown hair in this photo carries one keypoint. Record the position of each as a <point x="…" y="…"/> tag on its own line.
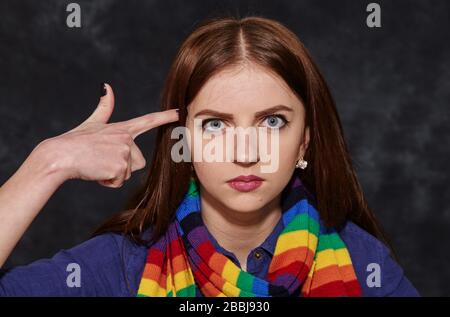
<point x="222" y="42"/>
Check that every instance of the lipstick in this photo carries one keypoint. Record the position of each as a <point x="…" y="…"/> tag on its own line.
<point x="245" y="183"/>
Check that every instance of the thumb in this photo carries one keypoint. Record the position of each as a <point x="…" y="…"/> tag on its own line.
<point x="105" y="106"/>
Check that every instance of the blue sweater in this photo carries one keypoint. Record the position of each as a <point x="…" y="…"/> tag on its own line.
<point x="111" y="265"/>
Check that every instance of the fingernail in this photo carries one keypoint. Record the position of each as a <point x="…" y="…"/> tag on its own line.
<point x="102" y="89"/>
<point x="177" y="110"/>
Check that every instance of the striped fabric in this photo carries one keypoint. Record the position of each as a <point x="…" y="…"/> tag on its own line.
<point x="309" y="260"/>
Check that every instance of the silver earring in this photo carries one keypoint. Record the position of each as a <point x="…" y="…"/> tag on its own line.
<point x="301" y="164"/>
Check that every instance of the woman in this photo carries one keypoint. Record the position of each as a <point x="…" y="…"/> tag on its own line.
<point x="214" y="228"/>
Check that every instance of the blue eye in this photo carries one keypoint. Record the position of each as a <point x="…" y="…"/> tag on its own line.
<point x="275" y="121"/>
<point x="212" y="125"/>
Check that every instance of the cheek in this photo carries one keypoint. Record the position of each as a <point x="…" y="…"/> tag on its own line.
<point x="195" y="141"/>
<point x="283" y="151"/>
<point x="289" y="148"/>
<point x="211" y="173"/>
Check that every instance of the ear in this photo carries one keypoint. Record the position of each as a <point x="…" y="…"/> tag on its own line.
<point x="305" y="143"/>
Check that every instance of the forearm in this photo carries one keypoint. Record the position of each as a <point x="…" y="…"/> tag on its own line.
<point x="24" y="195"/>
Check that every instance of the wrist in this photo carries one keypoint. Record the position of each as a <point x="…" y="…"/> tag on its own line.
<point x="47" y="161"/>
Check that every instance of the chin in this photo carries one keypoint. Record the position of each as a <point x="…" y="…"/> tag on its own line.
<point x="246" y="204"/>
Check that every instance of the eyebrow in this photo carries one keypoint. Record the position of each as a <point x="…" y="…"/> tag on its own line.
<point x="229" y="116"/>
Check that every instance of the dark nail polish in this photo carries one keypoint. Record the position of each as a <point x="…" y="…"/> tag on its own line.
<point x="102" y="89"/>
<point x="177" y="110"/>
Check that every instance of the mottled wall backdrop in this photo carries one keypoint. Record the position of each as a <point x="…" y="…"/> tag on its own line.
<point x="391" y="84"/>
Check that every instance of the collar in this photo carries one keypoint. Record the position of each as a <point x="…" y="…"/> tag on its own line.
<point x="268" y="245"/>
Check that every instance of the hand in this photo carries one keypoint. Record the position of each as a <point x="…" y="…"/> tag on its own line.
<point x="105" y="152"/>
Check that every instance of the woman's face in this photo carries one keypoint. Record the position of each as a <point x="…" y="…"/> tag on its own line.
<point x="236" y="98"/>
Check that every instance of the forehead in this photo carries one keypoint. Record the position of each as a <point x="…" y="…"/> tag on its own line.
<point x="244" y="88"/>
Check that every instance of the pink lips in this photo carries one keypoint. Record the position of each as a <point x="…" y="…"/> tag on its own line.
<point x="245" y="183"/>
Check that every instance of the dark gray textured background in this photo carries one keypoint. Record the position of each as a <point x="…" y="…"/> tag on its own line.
<point x="392" y="88"/>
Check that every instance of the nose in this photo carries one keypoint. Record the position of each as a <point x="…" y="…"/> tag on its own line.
<point x="246" y="146"/>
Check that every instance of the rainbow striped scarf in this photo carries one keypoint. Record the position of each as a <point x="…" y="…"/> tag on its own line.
<point x="309" y="260"/>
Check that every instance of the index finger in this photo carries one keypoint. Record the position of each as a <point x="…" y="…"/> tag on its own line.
<point x="139" y="125"/>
